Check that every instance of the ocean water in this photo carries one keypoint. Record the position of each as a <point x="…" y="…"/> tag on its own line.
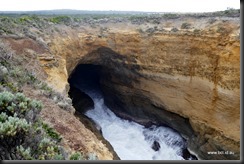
<point x="132" y="141"/>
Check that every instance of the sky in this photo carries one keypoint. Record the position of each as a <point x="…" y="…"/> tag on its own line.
<point x="121" y="5"/>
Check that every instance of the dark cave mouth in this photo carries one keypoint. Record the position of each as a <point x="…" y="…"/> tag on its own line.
<point x="86" y="77"/>
<point x="85" y="80"/>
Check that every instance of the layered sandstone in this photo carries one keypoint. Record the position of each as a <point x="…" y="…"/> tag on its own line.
<point x="187" y="79"/>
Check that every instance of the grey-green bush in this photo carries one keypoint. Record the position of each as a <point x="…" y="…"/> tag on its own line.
<point x="22" y="135"/>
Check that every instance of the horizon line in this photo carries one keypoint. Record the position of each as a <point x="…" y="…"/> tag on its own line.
<point x="113" y="11"/>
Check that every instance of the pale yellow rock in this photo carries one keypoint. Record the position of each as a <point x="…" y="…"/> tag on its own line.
<point x="194" y="75"/>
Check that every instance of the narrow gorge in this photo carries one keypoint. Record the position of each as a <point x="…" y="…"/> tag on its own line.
<point x="187" y="80"/>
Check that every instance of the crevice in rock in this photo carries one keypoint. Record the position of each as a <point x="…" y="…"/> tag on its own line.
<point x="85" y="78"/>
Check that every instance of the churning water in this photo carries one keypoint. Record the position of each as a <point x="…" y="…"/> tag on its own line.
<point x="132" y="141"/>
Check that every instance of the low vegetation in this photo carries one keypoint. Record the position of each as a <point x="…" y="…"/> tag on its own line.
<point x="20" y="24"/>
<point x="23" y="134"/>
<point x="185" y="25"/>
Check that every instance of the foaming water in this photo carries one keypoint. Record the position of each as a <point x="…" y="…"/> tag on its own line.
<point x="132" y="141"/>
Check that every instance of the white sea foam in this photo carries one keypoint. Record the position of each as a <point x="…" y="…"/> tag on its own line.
<point x="132" y="141"/>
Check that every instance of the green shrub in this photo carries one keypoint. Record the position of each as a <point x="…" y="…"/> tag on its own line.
<point x="19" y="104"/>
<point x="196" y="31"/>
<point x="76" y="156"/>
<point x="171" y="16"/>
<point x="174" y="29"/>
<point x="60" y="19"/>
<point x="232" y="12"/>
<point x="7" y="31"/>
<point x="58" y="157"/>
<point x="9" y="85"/>
<point x="21" y="133"/>
<point x="25" y="153"/>
<point x="11" y="126"/>
<point x="24" y="19"/>
<point x="51" y="132"/>
<point x="185" y="25"/>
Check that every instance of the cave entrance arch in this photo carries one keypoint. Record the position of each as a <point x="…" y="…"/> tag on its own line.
<point x="111" y="74"/>
<point x="95" y="71"/>
<point x="85" y="77"/>
<point x="84" y="81"/>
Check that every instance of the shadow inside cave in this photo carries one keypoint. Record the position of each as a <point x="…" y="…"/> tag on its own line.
<point x="85" y="83"/>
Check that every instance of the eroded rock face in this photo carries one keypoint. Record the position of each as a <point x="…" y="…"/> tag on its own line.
<point x="148" y="101"/>
<point x="81" y="101"/>
<point x="187" y="80"/>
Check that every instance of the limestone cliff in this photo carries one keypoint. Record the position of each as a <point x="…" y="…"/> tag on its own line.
<point x="195" y="75"/>
<point x="186" y="78"/>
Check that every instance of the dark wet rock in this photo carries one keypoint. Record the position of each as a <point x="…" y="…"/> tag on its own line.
<point x="187" y="155"/>
<point x="155" y="146"/>
<point x="81" y="101"/>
